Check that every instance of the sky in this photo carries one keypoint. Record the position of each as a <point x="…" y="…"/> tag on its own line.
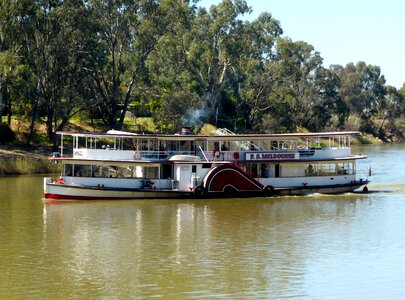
<point x="343" y="31"/>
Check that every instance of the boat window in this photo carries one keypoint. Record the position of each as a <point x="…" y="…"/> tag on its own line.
<point x="173" y="145"/>
<point x="342" y="169"/>
<point x="154" y="145"/>
<point x="124" y="172"/>
<point x="82" y="170"/>
<point x="143" y="144"/>
<point x="185" y="146"/>
<point x="234" y="146"/>
<point x="278" y="170"/>
<point x="292" y="170"/>
<point x="213" y="145"/>
<point x="264" y="171"/>
<point x="166" y="171"/>
<point x="200" y="145"/>
<point x="112" y="171"/>
<point x="151" y="172"/>
<point x="350" y="168"/>
<point x="253" y="170"/>
<point x="68" y="170"/>
<point x="264" y="145"/>
<point x="100" y="171"/>
<point x="329" y="169"/>
<point x="163" y="146"/>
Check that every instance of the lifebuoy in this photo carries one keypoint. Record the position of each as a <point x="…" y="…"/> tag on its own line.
<point x="137" y="155"/>
<point x="216" y="154"/>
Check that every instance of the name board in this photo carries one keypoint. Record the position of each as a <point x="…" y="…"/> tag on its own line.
<point x="271" y="156"/>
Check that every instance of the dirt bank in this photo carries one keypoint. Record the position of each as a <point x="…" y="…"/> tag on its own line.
<point x="19" y="161"/>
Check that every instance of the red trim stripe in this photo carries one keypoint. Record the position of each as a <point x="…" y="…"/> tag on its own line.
<point x="69" y="197"/>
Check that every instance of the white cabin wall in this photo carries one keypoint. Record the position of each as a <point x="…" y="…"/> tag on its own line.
<point x="183" y="176"/>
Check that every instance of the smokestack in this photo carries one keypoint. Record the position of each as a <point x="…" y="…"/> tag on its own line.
<point x="186" y="131"/>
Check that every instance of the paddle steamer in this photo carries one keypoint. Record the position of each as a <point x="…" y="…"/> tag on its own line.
<point x="123" y="165"/>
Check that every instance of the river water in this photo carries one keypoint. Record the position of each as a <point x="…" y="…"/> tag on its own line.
<point x="349" y="246"/>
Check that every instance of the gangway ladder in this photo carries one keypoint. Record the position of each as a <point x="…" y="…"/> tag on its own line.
<point x="245" y="145"/>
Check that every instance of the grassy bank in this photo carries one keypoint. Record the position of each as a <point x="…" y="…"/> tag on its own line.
<point x="16" y="162"/>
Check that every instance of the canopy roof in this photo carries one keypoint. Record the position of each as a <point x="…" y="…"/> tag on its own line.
<point x="235" y="137"/>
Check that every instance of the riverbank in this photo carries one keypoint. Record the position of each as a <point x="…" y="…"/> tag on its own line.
<point x="25" y="161"/>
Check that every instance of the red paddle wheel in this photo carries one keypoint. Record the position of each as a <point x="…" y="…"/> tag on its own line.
<point x="230" y="178"/>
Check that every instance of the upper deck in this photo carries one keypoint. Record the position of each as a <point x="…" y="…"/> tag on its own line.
<point x="222" y="146"/>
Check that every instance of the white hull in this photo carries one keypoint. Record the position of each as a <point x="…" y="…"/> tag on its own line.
<point x="76" y="192"/>
<point x="322" y="189"/>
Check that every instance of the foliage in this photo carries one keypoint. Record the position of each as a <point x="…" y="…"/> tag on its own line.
<point x="179" y="65"/>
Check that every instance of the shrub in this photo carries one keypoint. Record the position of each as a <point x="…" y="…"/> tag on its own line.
<point x="6" y="134"/>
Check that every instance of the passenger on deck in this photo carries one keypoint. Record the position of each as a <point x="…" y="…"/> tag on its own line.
<point x="265" y="171"/>
<point x="310" y="170"/>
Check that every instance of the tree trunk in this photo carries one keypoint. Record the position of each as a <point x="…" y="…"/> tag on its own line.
<point x="32" y="124"/>
<point x="9" y="112"/>
<point x="1" y="103"/>
<point x="49" y="124"/>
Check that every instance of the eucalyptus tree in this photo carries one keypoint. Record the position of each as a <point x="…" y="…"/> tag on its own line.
<point x="16" y="84"/>
<point x="401" y="91"/>
<point x="16" y="17"/>
<point x="304" y="93"/>
<point x="9" y="60"/>
<point x="211" y="50"/>
<point x="205" y="61"/>
<point x="363" y="89"/>
<point x="327" y="103"/>
<point x="128" y="31"/>
<point x="390" y="108"/>
<point x="56" y="43"/>
<point x="192" y="65"/>
<point x="167" y="89"/>
<point x="253" y="91"/>
<point x="17" y="79"/>
<point x="256" y="73"/>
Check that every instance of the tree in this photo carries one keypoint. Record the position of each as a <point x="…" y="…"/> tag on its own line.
<point x="402" y="104"/>
<point x="254" y="91"/>
<point x="255" y="71"/>
<point x="202" y="64"/>
<point x="389" y="108"/>
<point x="128" y="32"/>
<point x="171" y="91"/>
<point x="16" y="83"/>
<point x="362" y="89"/>
<point x="57" y="45"/>
<point x="211" y="49"/>
<point x="304" y="93"/>
<point x="8" y="55"/>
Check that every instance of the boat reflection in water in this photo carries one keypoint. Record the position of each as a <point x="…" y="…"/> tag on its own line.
<point x="250" y="247"/>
